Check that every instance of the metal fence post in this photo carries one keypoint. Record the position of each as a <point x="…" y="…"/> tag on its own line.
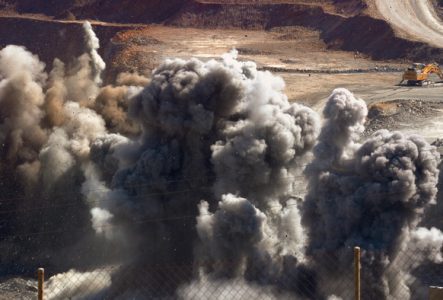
<point x="41" y="279"/>
<point x="357" y="272"/>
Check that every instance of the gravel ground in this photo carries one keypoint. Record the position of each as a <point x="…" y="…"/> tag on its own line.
<point x="18" y="289"/>
<point x="401" y="114"/>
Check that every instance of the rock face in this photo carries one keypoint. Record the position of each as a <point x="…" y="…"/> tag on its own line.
<point x="122" y="11"/>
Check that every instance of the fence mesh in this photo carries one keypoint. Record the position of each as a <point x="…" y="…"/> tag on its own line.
<point x="325" y="275"/>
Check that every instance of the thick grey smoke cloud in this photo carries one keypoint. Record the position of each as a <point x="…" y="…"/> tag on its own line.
<point x="255" y="230"/>
<point x="22" y="79"/>
<point x="195" y="116"/>
<point x="235" y="230"/>
<point x="371" y="194"/>
<point x="257" y="157"/>
<point x="21" y="99"/>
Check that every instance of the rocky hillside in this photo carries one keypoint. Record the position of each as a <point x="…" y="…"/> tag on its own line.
<point x="121" y="11"/>
<point x="439" y="5"/>
<point x="141" y="11"/>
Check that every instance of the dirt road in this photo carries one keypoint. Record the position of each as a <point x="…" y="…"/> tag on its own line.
<point x="414" y="19"/>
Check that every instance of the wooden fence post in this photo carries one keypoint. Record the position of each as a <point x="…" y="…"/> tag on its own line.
<point x="357" y="268"/>
<point x="41" y="279"/>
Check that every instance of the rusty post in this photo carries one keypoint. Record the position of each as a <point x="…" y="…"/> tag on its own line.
<point x="41" y="279"/>
<point x="435" y="293"/>
<point x="357" y="268"/>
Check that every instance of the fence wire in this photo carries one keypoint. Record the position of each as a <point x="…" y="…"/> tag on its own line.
<point x="399" y="274"/>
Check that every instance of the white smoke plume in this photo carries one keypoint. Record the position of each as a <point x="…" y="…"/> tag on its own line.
<point x="96" y="194"/>
<point x="222" y="289"/>
<point x="371" y="194"/>
<point x="93" y="44"/>
<point x="77" y="285"/>
<point x="429" y="242"/>
<point x="82" y="81"/>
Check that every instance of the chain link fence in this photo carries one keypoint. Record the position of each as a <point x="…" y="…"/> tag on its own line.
<point x="327" y="275"/>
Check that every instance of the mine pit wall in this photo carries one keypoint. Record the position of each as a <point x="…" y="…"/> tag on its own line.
<point x="376" y="38"/>
<point x="362" y="33"/>
<point x="119" y="11"/>
<point x="53" y="39"/>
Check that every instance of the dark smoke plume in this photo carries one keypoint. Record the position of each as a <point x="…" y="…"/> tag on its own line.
<point x="371" y="194"/>
<point x="195" y="117"/>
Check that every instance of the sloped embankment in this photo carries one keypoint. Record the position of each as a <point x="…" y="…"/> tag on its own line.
<point x="361" y="33"/>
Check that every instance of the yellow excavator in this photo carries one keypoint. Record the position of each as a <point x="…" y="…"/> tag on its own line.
<point x="418" y="73"/>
